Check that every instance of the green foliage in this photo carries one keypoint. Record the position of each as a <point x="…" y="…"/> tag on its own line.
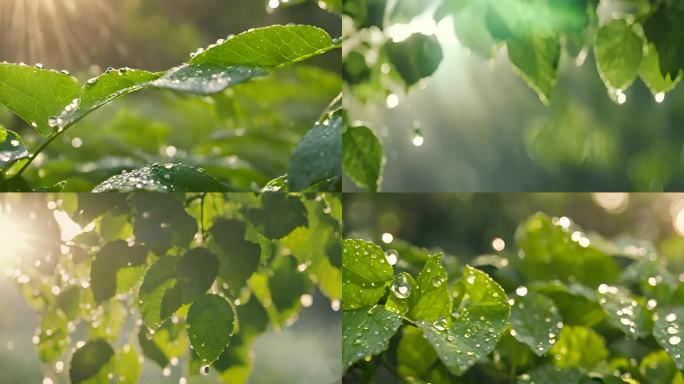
<point x="362" y="157"/>
<point x="52" y="102"/>
<point x="188" y="280"/>
<point x="629" y="39"/>
<point x="557" y="309"/>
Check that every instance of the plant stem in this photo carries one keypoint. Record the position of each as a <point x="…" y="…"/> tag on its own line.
<point x="40" y="149"/>
<point x="202" y="196"/>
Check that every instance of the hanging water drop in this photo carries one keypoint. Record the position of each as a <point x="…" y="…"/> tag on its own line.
<point x="659" y="97"/>
<point x="392" y="256"/>
<point x="440" y="324"/>
<point x="204" y="370"/>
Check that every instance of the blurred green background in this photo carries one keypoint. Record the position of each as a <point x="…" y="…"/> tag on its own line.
<point x="244" y="136"/>
<point x="484" y="129"/>
<point x="466" y="225"/>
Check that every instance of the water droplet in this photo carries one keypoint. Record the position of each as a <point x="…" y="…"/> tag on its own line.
<point x="521" y="291"/>
<point x="671" y="317"/>
<point x="659" y="97"/>
<point x="437" y="281"/>
<point x="440" y="324"/>
<point x="40" y="66"/>
<point x="392" y="101"/>
<point x="204" y="370"/>
<point x="392" y="256"/>
<point x="675" y="340"/>
<point x="401" y="288"/>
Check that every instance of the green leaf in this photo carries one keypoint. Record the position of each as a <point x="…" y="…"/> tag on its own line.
<point x="279" y="215"/>
<point x="127" y="365"/>
<point x="159" y="278"/>
<point x="619" y="50"/>
<point x="160" y="221"/>
<point x="549" y="251"/>
<point x="416" y="57"/>
<point x="271" y="46"/>
<point x="318" y="155"/>
<point x="205" y="79"/>
<point x="36" y="94"/>
<point x="536" y="59"/>
<point x="624" y="311"/>
<point x="415" y="356"/>
<point x="549" y="374"/>
<point x="162" y="178"/>
<point x="669" y="333"/>
<point x="579" y="347"/>
<point x="88" y="360"/>
<point x="100" y="91"/>
<point x="664" y="29"/>
<point x="53" y="336"/>
<point x="150" y="348"/>
<point x="470" y="25"/>
<point x="536" y="322"/>
<point x="652" y="76"/>
<point x="210" y="325"/>
<point x="112" y="257"/>
<point x="430" y="299"/>
<point x="354" y="69"/>
<point x="362" y="157"/>
<point x="196" y="272"/>
<point x="365" y="273"/>
<point x="366" y="331"/>
<point x="481" y="311"/>
<point x="238" y="257"/>
<point x="658" y="367"/>
<point x="12" y="148"/>
<point x="279" y="184"/>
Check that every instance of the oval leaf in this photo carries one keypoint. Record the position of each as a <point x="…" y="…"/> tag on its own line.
<point x="162" y="178"/>
<point x="210" y="325"/>
<point x="89" y="360"/>
<point x="365" y="273"/>
<point x="362" y="157"/>
<point x="367" y="332"/>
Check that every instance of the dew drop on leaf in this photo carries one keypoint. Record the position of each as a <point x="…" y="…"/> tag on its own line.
<point x="401" y="288"/>
<point x="392" y="256"/>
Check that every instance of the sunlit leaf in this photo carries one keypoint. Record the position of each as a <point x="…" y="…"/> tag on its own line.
<point x="210" y="325"/>
<point x="365" y="274"/>
<point x="362" y="157"/>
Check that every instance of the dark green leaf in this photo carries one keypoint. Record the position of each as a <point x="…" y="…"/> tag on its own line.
<point x="664" y="29"/>
<point x="365" y="274"/>
<point x="159" y="278"/>
<point x="196" y="272"/>
<point x="362" y="157"/>
<point x="549" y="374"/>
<point x="88" y="360"/>
<point x="624" y="311"/>
<point x="238" y="257"/>
<point x="415" y="356"/>
<point x="210" y="325"/>
<point x="160" y="221"/>
<point x="366" y="332"/>
<point x="318" y="155"/>
<point x="536" y="322"/>
<point x="354" y="69"/>
<point x="416" y="57"/>
<point x="112" y="257"/>
<point x="162" y="178"/>
<point x="658" y="367"/>
<point x="279" y="215"/>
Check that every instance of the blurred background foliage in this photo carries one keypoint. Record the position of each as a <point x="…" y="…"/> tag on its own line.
<point x="243" y="136"/>
<point x="471" y="225"/>
<point x="476" y="126"/>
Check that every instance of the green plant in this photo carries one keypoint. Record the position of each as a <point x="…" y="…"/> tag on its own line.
<point x="52" y="102"/>
<point x="391" y="46"/>
<point x="177" y="279"/>
<point x="565" y="307"/>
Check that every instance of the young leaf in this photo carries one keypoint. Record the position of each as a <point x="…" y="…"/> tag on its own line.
<point x="53" y="336"/>
<point x="479" y="319"/>
<point x="652" y="76"/>
<point x="318" y="156"/>
<point x="12" y="148"/>
<point x="88" y="360"/>
<point x="162" y="178"/>
<point x="624" y="311"/>
<point x="430" y="300"/>
<point x="415" y="356"/>
<point x="210" y="325"/>
<point x="536" y="58"/>
<point x="365" y="273"/>
<point x="127" y="365"/>
<point x="239" y="258"/>
<point x="535" y="322"/>
<point x="36" y="94"/>
<point x="416" y="57"/>
<point x="366" y="332"/>
<point x="195" y="273"/>
<point x="579" y="347"/>
<point x="669" y="332"/>
<point x="271" y="46"/>
<point x="362" y="157"/>
<point x="619" y="50"/>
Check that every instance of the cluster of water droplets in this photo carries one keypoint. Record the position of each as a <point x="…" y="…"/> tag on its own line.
<point x="155" y="177"/>
<point x="626" y="310"/>
<point x="673" y="332"/>
<point x="59" y="122"/>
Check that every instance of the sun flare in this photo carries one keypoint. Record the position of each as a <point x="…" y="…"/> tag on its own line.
<point x="14" y="239"/>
